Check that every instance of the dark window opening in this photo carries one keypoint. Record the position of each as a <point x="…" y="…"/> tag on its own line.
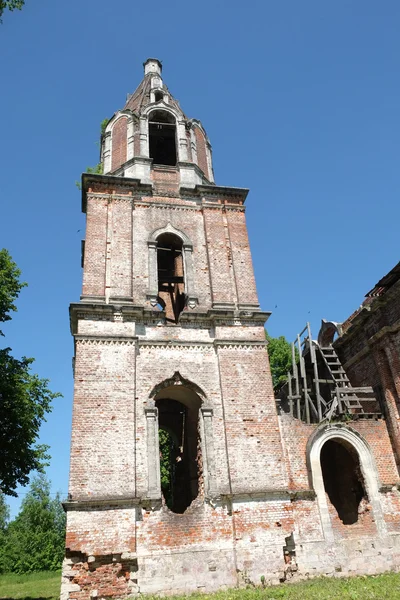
<point x="162" y="138"/>
<point x="343" y="479"/>
<point x="171" y="287"/>
<point x="180" y="456"/>
<point x="158" y="96"/>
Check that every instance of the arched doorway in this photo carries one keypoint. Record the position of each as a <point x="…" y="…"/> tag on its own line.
<point x="179" y="446"/>
<point x="343" y="479"/>
<point x="359" y="469"/>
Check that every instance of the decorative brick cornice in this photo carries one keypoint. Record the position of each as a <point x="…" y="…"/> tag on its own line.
<point x="240" y="345"/>
<point x="174" y="346"/>
<point x="166" y="205"/>
<point x="270" y="494"/>
<point x="98" y="340"/>
<point x="211" y="191"/>
<point x="128" y="312"/>
<point x="90" y="180"/>
<point x="101" y="503"/>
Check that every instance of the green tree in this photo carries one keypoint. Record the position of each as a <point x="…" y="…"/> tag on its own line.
<point x="11" y="5"/>
<point x="4" y="518"/>
<point x="4" y="514"/>
<point x="35" y="540"/>
<point x="10" y="286"/>
<point x="280" y="358"/>
<point x="168" y="452"/>
<point x="24" y="397"/>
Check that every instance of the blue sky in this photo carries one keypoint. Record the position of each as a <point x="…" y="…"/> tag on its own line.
<point x="300" y="101"/>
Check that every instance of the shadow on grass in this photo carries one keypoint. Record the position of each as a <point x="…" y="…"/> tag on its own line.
<point x="28" y="598"/>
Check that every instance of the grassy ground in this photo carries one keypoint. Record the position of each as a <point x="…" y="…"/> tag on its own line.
<point x="40" y="586"/>
<point x="46" y="586"/>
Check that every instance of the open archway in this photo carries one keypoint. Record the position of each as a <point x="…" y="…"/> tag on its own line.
<point x="162" y="138"/>
<point x="343" y="479"/>
<point x="179" y="445"/>
<point x="342" y="473"/>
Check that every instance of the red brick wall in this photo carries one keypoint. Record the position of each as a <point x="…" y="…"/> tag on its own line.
<point x="201" y="151"/>
<point x="119" y="143"/>
<point x="251" y="422"/>
<point x="121" y="248"/>
<point x="219" y="256"/>
<point x="241" y="256"/>
<point x="95" y="247"/>
<point x="165" y="179"/>
<point x="103" y="430"/>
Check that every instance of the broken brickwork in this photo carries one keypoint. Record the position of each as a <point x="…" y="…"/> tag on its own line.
<point x="169" y="336"/>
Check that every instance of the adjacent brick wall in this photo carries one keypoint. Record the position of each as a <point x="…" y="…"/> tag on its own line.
<point x="201" y="151"/>
<point x="103" y="426"/>
<point x="94" y="272"/>
<point x="219" y="256"/>
<point x="241" y="256"/>
<point x="119" y="143"/>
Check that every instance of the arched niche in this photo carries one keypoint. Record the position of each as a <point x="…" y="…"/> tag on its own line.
<point x="108" y="145"/>
<point x="354" y="444"/>
<point x="328" y="332"/>
<point x="169" y="239"/>
<point x="180" y="443"/>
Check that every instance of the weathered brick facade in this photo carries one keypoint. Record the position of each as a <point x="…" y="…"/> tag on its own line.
<point x="256" y="509"/>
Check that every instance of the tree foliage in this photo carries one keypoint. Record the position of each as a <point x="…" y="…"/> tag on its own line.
<point x="10" y="286"/>
<point x="280" y="358"/>
<point x="34" y="540"/>
<point x="10" y="5"/>
<point x="97" y="169"/>
<point x="24" y="397"/>
<point x="168" y="452"/>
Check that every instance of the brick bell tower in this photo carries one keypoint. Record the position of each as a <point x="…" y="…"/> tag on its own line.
<point x="177" y="476"/>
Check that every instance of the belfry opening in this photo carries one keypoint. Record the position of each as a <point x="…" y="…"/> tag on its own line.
<point x="170" y="272"/>
<point x="343" y="479"/>
<point x="179" y="441"/>
<point x="162" y="138"/>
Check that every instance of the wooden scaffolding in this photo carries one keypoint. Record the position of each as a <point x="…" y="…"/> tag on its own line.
<point x="317" y="387"/>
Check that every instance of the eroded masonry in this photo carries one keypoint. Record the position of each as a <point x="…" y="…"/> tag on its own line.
<point x="186" y="472"/>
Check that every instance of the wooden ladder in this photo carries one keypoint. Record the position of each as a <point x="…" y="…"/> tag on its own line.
<point x="343" y="386"/>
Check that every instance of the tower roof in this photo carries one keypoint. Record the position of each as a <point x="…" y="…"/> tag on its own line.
<point x="152" y="80"/>
<point x="152" y="131"/>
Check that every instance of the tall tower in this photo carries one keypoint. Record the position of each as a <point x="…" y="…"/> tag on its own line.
<point x="177" y="479"/>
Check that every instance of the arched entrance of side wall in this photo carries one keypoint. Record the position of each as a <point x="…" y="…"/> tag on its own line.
<point x="355" y="443"/>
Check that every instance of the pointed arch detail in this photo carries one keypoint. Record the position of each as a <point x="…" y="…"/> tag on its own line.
<point x="169" y="228"/>
<point x="175" y="391"/>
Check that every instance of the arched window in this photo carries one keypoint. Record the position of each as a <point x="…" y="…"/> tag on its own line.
<point x="162" y="138"/>
<point x="170" y="274"/>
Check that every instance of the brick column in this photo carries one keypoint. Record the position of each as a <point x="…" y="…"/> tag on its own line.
<point x="382" y="359"/>
<point x="153" y="453"/>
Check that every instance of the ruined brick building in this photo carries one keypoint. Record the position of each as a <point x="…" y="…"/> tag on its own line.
<point x="171" y="359"/>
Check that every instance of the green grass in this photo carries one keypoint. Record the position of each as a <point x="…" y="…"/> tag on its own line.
<point x="46" y="586"/>
<point x="40" y="586"/>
